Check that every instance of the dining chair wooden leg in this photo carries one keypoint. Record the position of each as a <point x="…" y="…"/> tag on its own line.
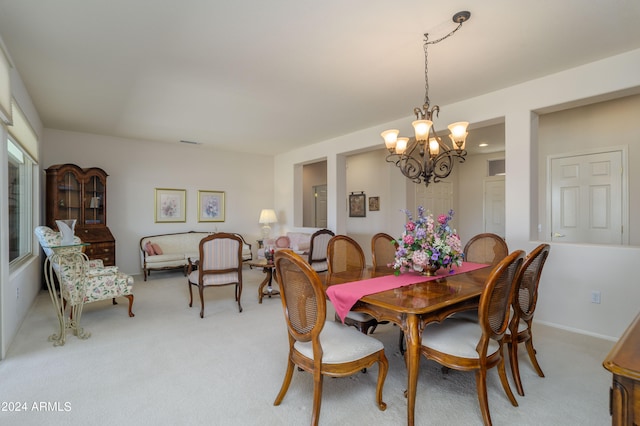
<point x="401" y="342"/>
<point x="285" y="384"/>
<point x="532" y="356"/>
<point x="502" y="372"/>
<point x="512" y="348"/>
<point x="317" y="396"/>
<point x="481" y="386"/>
<point x="383" y="368"/>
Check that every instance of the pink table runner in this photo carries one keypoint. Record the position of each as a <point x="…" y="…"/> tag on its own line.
<point x="344" y="296"/>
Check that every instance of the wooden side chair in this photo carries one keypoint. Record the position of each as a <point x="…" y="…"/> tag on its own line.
<point x="465" y="345"/>
<point x="524" y="305"/>
<point x="345" y="264"/>
<point x="383" y="253"/>
<point x="220" y="264"/>
<point x="486" y="248"/>
<point x="320" y="347"/>
<point x="318" y="249"/>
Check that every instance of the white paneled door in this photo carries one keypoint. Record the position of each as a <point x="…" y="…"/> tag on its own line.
<point x="494" y="205"/>
<point x="587" y="198"/>
<point x="436" y="198"/>
<point x="320" y="210"/>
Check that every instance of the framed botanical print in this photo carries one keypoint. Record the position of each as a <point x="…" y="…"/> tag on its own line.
<point x="210" y="206"/>
<point x="357" y="206"/>
<point x="170" y="205"/>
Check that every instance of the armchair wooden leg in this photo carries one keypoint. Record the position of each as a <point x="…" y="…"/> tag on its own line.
<point x="190" y="293"/>
<point x="201" y="291"/>
<point x="130" y="297"/>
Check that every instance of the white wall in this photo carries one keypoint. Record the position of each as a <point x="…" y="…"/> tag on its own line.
<point x="369" y="173"/>
<point x="137" y="167"/>
<point x="19" y="284"/>
<point x="572" y="270"/>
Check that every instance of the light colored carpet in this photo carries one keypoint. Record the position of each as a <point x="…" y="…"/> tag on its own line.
<point x="167" y="366"/>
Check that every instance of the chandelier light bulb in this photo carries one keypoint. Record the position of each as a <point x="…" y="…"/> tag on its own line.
<point x="390" y="137"/>
<point x="401" y="145"/>
<point x="458" y="133"/>
<point x="434" y="147"/>
<point x="422" y="128"/>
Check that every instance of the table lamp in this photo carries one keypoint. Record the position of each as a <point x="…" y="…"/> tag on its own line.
<point x="267" y="217"/>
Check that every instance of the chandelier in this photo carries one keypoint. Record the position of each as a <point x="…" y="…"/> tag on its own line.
<point x="426" y="157"/>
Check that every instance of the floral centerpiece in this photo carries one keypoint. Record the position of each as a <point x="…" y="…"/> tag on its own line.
<point x="428" y="244"/>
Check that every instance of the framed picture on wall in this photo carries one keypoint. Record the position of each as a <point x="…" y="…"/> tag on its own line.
<point x="357" y="206"/>
<point x="170" y="205"/>
<point x="210" y="206"/>
<point x="374" y="204"/>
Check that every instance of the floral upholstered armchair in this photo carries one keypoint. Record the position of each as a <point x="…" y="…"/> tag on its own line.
<point x="101" y="282"/>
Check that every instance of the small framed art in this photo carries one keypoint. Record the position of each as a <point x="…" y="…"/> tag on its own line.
<point x="357" y="206"/>
<point x="210" y="206"/>
<point x="170" y="205"/>
<point x="374" y="204"/>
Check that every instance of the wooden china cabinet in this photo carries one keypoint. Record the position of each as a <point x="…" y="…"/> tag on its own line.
<point x="81" y="194"/>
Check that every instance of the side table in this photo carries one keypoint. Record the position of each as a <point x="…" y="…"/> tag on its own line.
<point x="268" y="268"/>
<point x="73" y="262"/>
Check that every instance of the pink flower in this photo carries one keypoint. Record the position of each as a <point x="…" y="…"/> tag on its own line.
<point x="410" y="226"/>
<point x="408" y="239"/>
<point x="442" y="219"/>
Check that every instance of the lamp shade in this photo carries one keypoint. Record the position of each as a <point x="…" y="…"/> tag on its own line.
<point x="268" y="216"/>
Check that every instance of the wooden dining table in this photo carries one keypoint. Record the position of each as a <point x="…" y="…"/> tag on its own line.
<point x="414" y="306"/>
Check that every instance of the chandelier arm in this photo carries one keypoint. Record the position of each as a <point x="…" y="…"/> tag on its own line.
<point x="410" y="168"/>
<point x="442" y="165"/>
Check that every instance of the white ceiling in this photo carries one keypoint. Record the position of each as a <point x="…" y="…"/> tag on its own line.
<point x="269" y="76"/>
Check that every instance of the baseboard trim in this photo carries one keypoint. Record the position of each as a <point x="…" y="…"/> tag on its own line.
<point x="577" y="330"/>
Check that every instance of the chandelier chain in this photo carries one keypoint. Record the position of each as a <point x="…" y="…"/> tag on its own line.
<point x="426" y="71"/>
<point x="426" y="58"/>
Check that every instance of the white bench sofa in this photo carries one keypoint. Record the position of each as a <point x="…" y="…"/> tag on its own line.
<point x="175" y="250"/>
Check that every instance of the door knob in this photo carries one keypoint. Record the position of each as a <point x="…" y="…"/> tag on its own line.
<point x="557" y="235"/>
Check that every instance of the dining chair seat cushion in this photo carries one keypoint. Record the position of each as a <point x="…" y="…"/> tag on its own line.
<point x="214" y="279"/>
<point x="341" y="344"/>
<point x="359" y="316"/>
<point x="456" y="337"/>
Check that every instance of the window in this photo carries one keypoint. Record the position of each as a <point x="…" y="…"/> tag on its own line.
<point x="20" y="205"/>
<point x="496" y="167"/>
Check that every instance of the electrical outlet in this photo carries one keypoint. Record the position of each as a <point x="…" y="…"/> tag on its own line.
<point x="18" y="293"/>
<point x="595" y="297"/>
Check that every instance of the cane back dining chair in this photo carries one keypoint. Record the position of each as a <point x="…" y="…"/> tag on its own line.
<point x="317" y="346"/>
<point x="524" y="305"/>
<point x="346" y="263"/>
<point x="220" y="264"/>
<point x="383" y="253"/>
<point x="465" y="345"/>
<point x="318" y="249"/>
<point x="486" y="248"/>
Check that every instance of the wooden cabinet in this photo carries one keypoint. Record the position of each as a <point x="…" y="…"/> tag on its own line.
<point x="81" y="194"/>
<point x="624" y="362"/>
